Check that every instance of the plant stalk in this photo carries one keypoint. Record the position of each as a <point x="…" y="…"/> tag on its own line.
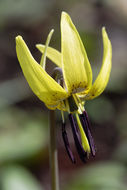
<point x="53" y="153"/>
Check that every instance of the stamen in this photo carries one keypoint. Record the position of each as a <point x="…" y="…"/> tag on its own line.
<point x="80" y="150"/>
<point x="81" y="103"/>
<point x="62" y="114"/>
<point x="80" y="108"/>
<point x="67" y="105"/>
<point x="86" y="126"/>
<point x="66" y="143"/>
<point x="72" y="104"/>
<point x="84" y="139"/>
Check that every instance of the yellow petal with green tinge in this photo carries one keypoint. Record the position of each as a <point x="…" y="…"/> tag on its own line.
<point x="104" y="74"/>
<point x="44" y="86"/>
<point x="75" y="64"/>
<point x="52" y="54"/>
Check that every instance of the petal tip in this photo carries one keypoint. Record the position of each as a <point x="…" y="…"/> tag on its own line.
<point x="103" y="28"/>
<point x="64" y="15"/>
<point x="38" y="45"/>
<point x="52" y="30"/>
<point x="18" y="39"/>
<point x="104" y="33"/>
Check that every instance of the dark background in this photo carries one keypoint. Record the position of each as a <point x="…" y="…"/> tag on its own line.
<point x="24" y="129"/>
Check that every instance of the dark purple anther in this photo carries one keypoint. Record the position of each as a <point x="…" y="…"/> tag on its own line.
<point x="86" y="126"/>
<point x="66" y="143"/>
<point x="80" y="150"/>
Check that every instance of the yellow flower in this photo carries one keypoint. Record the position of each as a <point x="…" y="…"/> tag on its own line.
<point x="71" y="83"/>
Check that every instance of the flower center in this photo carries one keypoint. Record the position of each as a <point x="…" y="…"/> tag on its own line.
<point x="76" y="113"/>
<point x="72" y="103"/>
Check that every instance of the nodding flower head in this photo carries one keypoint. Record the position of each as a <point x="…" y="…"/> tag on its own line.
<point x="71" y="83"/>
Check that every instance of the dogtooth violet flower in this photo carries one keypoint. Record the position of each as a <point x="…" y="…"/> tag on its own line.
<point x="71" y="83"/>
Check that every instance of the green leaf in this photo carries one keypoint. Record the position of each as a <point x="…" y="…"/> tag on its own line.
<point x="18" y="178"/>
<point x="22" y="134"/>
<point x="102" y="176"/>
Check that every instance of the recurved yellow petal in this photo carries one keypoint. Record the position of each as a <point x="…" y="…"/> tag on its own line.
<point x="76" y="67"/>
<point x="44" y="86"/>
<point x="51" y="53"/>
<point x="104" y="74"/>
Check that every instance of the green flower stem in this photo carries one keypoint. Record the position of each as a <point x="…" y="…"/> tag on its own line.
<point x="53" y="153"/>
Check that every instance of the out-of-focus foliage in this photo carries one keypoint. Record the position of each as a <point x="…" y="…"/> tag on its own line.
<point x="19" y="10"/>
<point x="17" y="178"/>
<point x="100" y="109"/>
<point x="7" y="92"/>
<point x="22" y="134"/>
<point x="102" y="176"/>
<point x="121" y="153"/>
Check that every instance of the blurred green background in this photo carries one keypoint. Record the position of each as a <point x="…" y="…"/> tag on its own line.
<point x="24" y="129"/>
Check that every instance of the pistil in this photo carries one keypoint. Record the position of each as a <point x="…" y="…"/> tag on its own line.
<point x="86" y="126"/>
<point x="85" y="142"/>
